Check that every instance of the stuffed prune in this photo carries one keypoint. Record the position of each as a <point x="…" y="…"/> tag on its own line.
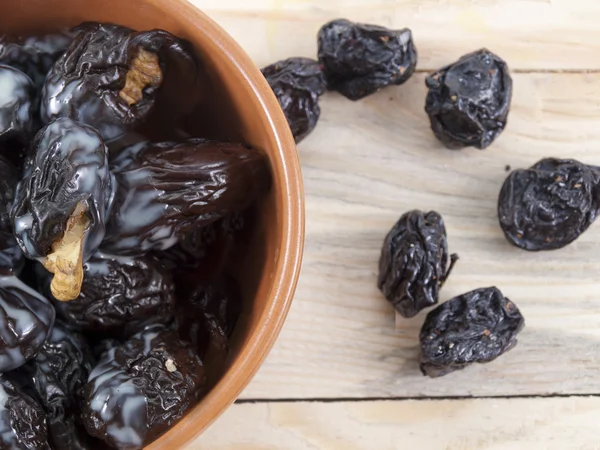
<point x="110" y="76"/>
<point x="166" y="190"/>
<point x="26" y="318"/>
<point x="55" y="376"/>
<point x="141" y="388"/>
<point x="22" y="420"/>
<point x="120" y="295"/>
<point x="62" y="201"/>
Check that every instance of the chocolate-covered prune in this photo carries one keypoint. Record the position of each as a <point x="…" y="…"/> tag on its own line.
<point x="165" y="190"/>
<point x="62" y="201"/>
<point x="119" y="296"/>
<point x="141" y="388"/>
<point x="110" y="76"/>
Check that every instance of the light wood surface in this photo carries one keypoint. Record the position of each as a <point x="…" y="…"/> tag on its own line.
<point x="475" y="424"/>
<point x="367" y="163"/>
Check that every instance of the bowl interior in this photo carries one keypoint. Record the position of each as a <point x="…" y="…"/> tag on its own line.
<point x="237" y="105"/>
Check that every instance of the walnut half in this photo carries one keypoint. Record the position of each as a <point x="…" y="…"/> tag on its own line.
<point x="144" y="71"/>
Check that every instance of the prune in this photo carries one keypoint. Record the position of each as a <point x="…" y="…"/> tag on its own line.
<point x="12" y="261"/>
<point x="207" y="314"/>
<point x="360" y="59"/>
<point x="166" y="190"/>
<point x="297" y="84"/>
<point x="34" y="55"/>
<point x="475" y="327"/>
<point x="141" y="388"/>
<point x="110" y="76"/>
<point x="22" y="420"/>
<point x="26" y="318"/>
<point x="468" y="101"/>
<point x="550" y="204"/>
<point x="414" y="262"/>
<point x="55" y="376"/>
<point x="62" y="201"/>
<point x="16" y="104"/>
<point x="8" y="184"/>
<point x="119" y="296"/>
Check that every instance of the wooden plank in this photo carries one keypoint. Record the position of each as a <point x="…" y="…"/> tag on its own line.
<point x="370" y="161"/>
<point x="529" y="34"/>
<point x="481" y="424"/>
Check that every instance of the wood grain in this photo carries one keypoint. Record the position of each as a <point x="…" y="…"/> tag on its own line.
<point x="370" y="161"/>
<point x="482" y="424"/>
<point x="529" y="34"/>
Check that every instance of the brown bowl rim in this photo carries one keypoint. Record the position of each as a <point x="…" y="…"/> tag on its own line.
<point x="291" y="245"/>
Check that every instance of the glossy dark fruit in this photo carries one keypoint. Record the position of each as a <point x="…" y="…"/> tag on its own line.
<point x="198" y="245"/>
<point x="26" y="318"/>
<point x="166" y="190"/>
<point x="12" y="261"/>
<point x="550" y="204"/>
<point x="475" y="327"/>
<point x="141" y="388"/>
<point x="55" y="376"/>
<point x="22" y="420"/>
<point x="207" y="315"/>
<point x="8" y="183"/>
<point x="61" y="203"/>
<point x="468" y="101"/>
<point x="34" y="55"/>
<point x="110" y="78"/>
<point x="414" y="262"/>
<point x="17" y="96"/>
<point x="360" y="59"/>
<point x="297" y="84"/>
<point x="119" y="296"/>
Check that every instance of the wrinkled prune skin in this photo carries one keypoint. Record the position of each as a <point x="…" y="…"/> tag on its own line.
<point x="297" y="84"/>
<point x="468" y="101"/>
<point x="70" y="167"/>
<point x="413" y="264"/>
<point x="360" y="59"/>
<point x="549" y="205"/>
<point x="22" y="420"/>
<point x="165" y="190"/>
<point x="8" y="183"/>
<point x="475" y="327"/>
<point x="119" y="296"/>
<point x="141" y="388"/>
<point x="90" y="81"/>
<point x="17" y="96"/>
<point x="26" y="318"/>
<point x="207" y="315"/>
<point x="34" y="55"/>
<point x="12" y="261"/>
<point x="55" y="376"/>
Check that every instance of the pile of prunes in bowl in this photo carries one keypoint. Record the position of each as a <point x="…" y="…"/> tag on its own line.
<point x="106" y="312"/>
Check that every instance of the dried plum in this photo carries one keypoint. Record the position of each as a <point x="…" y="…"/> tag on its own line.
<point x="110" y="77"/>
<point x="34" y="55"/>
<point x="119" y="296"/>
<point x="165" y="190"/>
<point x="26" y="318"/>
<point x="8" y="184"/>
<point x="16" y="104"/>
<point x="360" y="59"/>
<point x="475" y="327"/>
<point x="140" y="389"/>
<point x="207" y="315"/>
<point x="550" y="204"/>
<point x="12" y="261"/>
<point x="62" y="201"/>
<point x="55" y="376"/>
<point x="22" y="420"/>
<point x="414" y="262"/>
<point x="468" y="101"/>
<point x="297" y="84"/>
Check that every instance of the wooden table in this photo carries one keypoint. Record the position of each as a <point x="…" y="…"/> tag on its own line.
<point x="343" y="374"/>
